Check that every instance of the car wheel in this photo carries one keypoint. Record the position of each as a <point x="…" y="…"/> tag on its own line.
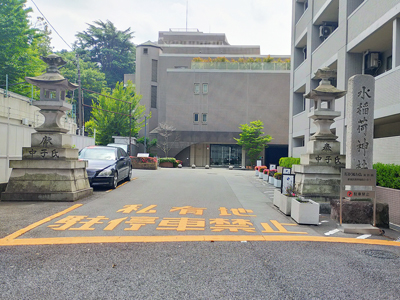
<point x="115" y="180"/>
<point x="129" y="177"/>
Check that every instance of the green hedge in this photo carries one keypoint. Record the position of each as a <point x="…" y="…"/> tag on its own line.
<point x="387" y="175"/>
<point x="287" y="162"/>
<point x="167" y="159"/>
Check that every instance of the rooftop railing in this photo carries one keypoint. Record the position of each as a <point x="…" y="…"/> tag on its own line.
<point x="263" y="66"/>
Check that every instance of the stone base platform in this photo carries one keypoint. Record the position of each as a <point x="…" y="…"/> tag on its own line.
<point x="360" y="229"/>
<point x="360" y="212"/>
<point x="47" y="180"/>
<point x="56" y="197"/>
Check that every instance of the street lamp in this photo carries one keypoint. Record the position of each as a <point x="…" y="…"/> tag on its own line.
<point x="145" y="134"/>
<point x="131" y="112"/>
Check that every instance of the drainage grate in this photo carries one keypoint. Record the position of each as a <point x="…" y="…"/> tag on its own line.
<point x="380" y="254"/>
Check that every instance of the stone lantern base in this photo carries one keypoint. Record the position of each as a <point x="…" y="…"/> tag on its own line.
<point x="49" y="171"/>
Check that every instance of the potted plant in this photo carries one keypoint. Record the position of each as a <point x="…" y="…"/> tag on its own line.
<point x="285" y="201"/>
<point x="261" y="171"/>
<point x="305" y="211"/>
<point x="265" y="175"/>
<point x="271" y="176"/>
<point x="277" y="179"/>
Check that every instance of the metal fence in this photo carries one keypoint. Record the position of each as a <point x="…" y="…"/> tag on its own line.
<point x="261" y="66"/>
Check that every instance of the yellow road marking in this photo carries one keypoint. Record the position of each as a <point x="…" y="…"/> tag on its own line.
<point x="190" y="238"/>
<point x="134" y="178"/>
<point x="34" y="225"/>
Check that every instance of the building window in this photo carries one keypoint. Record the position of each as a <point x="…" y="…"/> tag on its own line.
<point x="145" y="51"/>
<point x="197" y="88"/>
<point x="154" y="66"/>
<point x="153" y="96"/>
<point x="204" y="118"/>
<point x="205" y="88"/>
<point x="196" y="118"/>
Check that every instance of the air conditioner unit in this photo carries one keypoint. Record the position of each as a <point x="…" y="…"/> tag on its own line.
<point x="25" y="121"/>
<point x="372" y="60"/>
<point x="325" y="30"/>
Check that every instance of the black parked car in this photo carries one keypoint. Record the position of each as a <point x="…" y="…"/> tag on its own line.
<point x="106" y="165"/>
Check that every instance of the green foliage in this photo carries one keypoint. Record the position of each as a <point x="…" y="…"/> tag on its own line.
<point x="252" y="139"/>
<point x="20" y="46"/>
<point x="387" y="175"/>
<point x="104" y="44"/>
<point x="91" y="78"/>
<point x="149" y="144"/>
<point x="278" y="176"/>
<point x="287" y="162"/>
<point x="167" y="159"/>
<point x="108" y="123"/>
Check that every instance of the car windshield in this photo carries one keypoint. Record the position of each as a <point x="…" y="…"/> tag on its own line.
<point x="97" y="153"/>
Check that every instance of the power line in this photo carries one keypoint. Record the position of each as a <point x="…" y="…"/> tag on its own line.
<point x="51" y="25"/>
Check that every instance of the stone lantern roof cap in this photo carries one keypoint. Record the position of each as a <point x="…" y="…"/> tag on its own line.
<point x="325" y="87"/>
<point x="52" y="75"/>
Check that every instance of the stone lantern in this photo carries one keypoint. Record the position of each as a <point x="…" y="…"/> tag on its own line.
<point x="318" y="175"/>
<point x="49" y="169"/>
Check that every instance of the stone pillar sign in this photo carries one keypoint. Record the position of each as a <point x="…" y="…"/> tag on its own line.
<point x="360" y="122"/>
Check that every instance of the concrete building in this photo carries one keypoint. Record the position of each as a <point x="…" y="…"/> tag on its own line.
<point x="351" y="37"/>
<point x="206" y="101"/>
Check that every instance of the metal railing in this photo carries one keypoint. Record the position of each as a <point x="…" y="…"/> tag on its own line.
<point x="262" y="66"/>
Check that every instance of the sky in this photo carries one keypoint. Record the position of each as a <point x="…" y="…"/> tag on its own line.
<point x="245" y="22"/>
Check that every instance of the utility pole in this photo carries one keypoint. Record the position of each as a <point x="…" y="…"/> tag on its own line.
<point x="80" y="120"/>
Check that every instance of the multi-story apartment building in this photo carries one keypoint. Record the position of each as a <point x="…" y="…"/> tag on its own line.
<point x="351" y="37"/>
<point x="206" y="100"/>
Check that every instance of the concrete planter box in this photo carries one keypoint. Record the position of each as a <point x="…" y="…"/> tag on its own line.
<point x="305" y="213"/>
<point x="277" y="198"/>
<point x="260" y="175"/>
<point x="270" y="179"/>
<point x="265" y="177"/>
<point x="166" y="164"/>
<point x="138" y="164"/>
<point x="277" y="183"/>
<point x="285" y="204"/>
<point x="257" y="172"/>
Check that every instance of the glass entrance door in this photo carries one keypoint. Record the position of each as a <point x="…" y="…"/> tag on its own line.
<point x="225" y="155"/>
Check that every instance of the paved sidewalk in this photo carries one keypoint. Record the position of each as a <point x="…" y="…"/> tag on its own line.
<point x="327" y="226"/>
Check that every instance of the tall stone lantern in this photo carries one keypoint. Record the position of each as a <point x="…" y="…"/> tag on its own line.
<point x="318" y="175"/>
<point x="49" y="169"/>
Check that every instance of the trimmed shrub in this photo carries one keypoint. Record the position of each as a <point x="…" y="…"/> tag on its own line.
<point x="278" y="176"/>
<point x="387" y="175"/>
<point x="287" y="162"/>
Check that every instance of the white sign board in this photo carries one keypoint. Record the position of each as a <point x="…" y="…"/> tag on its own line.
<point x="287" y="182"/>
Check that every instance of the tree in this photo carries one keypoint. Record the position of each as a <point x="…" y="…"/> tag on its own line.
<point x="167" y="137"/>
<point x="112" y="117"/>
<point x="109" y="47"/>
<point x="19" y="46"/>
<point x="91" y="78"/>
<point x="252" y="139"/>
<point x="149" y="144"/>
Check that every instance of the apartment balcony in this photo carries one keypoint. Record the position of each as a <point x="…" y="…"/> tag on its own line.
<point x="387" y="94"/>
<point x="371" y="14"/>
<point x="326" y="53"/>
